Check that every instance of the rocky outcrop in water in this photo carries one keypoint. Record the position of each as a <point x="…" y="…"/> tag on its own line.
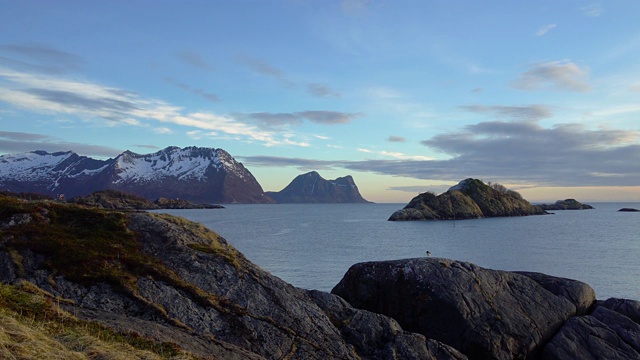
<point x="120" y="200"/>
<point x="490" y="314"/>
<point x="470" y="199"/>
<point x="629" y="210"/>
<point x="313" y="188"/>
<point x="567" y="204"/>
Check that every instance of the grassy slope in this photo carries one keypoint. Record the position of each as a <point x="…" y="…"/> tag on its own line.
<point x="32" y="326"/>
<point x="85" y="246"/>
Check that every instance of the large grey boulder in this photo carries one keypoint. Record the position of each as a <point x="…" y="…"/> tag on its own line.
<point x="580" y="294"/>
<point x="625" y="328"/>
<point x="626" y="307"/>
<point x="604" y="334"/>
<point x="485" y="314"/>
<point x="586" y="338"/>
<point x="378" y="337"/>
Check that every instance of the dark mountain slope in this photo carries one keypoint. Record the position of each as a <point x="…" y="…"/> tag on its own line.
<point x="312" y="188"/>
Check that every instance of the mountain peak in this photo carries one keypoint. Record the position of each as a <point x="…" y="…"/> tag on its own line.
<point x="313" y="188"/>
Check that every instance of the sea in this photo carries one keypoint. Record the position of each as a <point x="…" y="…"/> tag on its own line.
<point x="313" y="245"/>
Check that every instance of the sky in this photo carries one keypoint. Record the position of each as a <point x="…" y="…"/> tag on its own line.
<point x="405" y="96"/>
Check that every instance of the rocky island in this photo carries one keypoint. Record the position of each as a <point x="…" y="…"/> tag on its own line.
<point x="80" y="281"/>
<point x="313" y="188"/>
<point x="567" y="204"/>
<point x="469" y="199"/>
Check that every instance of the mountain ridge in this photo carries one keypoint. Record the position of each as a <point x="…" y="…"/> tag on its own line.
<point x="205" y="175"/>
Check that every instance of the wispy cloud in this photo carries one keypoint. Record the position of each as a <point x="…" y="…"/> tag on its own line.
<point x="545" y="29"/>
<point x="194" y="59"/>
<point x="518" y="113"/>
<point x="112" y="106"/>
<point x="321" y="90"/>
<point x="398" y="139"/>
<point x="402" y="156"/>
<point x="278" y="120"/>
<point x="355" y="6"/>
<point x="421" y="188"/>
<point x="15" y="142"/>
<point x="562" y="154"/>
<point x="509" y="152"/>
<point x="39" y="58"/>
<point x="163" y="130"/>
<point x="146" y="146"/>
<point x="394" y="154"/>
<point x="560" y="75"/>
<point x="593" y="10"/>
<point x="299" y="163"/>
<point x="263" y="68"/>
<point x="196" y="91"/>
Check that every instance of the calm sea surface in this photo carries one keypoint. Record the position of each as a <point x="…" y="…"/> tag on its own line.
<point x="312" y="246"/>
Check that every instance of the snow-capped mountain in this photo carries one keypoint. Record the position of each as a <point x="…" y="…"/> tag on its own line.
<point x="204" y="175"/>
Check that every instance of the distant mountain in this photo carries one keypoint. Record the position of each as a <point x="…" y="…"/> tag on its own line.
<point x="469" y="199"/>
<point x="312" y="188"/>
<point x="203" y="175"/>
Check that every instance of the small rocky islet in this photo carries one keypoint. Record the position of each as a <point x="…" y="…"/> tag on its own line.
<point x="567" y="204"/>
<point x="174" y="284"/>
<point x="469" y="199"/>
<point x="115" y="199"/>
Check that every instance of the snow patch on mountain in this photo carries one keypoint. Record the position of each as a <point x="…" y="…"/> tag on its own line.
<point x="31" y="166"/>
<point x="198" y="174"/>
<point x="183" y="164"/>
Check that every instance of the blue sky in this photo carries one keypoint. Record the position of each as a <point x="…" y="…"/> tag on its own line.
<point x="405" y="96"/>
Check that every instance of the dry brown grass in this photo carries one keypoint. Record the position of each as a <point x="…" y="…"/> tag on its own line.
<point x="32" y="326"/>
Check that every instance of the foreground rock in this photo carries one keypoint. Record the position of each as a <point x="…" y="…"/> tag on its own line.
<point x="120" y="200"/>
<point x="470" y="199"/>
<point x="483" y="313"/>
<point x="171" y="280"/>
<point x="489" y="314"/>
<point x="568" y="204"/>
<point x="605" y="334"/>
